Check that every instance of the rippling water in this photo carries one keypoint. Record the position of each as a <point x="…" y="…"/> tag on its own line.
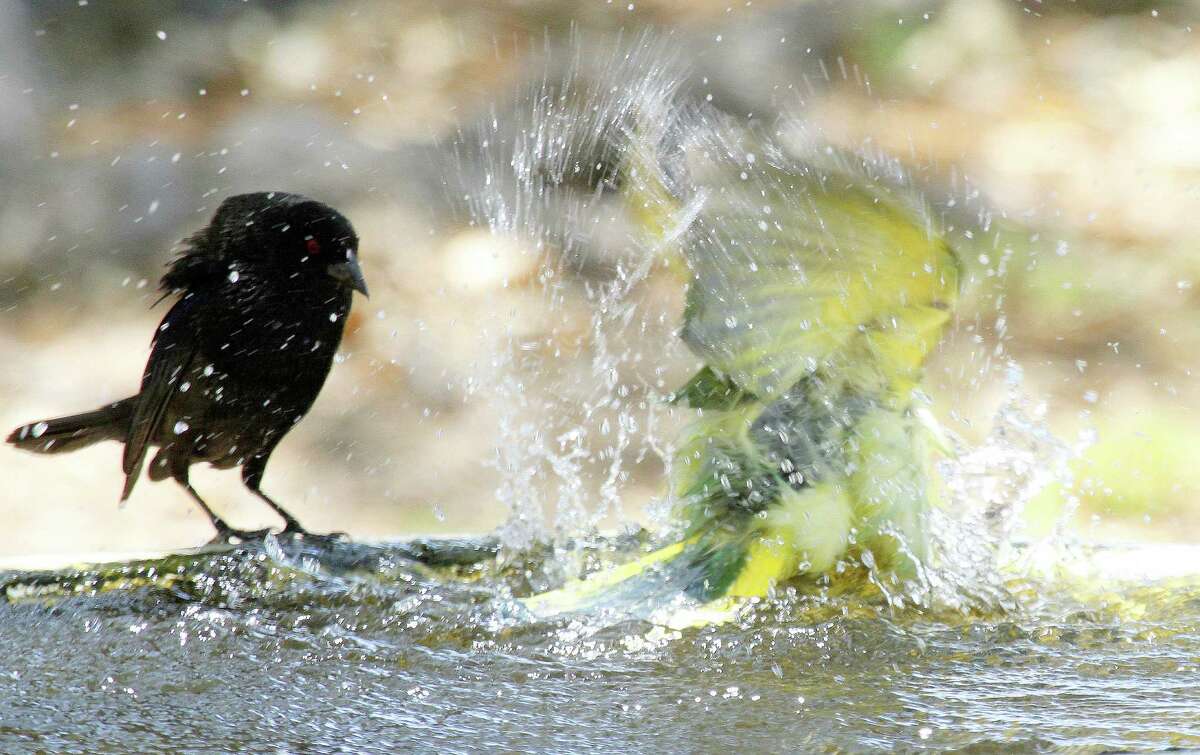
<point x="363" y="648"/>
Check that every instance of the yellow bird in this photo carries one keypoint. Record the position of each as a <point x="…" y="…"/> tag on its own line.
<point x="818" y="288"/>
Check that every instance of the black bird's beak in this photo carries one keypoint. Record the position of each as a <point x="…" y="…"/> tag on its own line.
<point x="350" y="274"/>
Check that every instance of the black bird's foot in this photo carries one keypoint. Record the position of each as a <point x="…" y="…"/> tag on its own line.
<point x="231" y="536"/>
<point x="293" y="531"/>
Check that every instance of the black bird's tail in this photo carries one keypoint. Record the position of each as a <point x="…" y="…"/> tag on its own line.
<point x="55" y="436"/>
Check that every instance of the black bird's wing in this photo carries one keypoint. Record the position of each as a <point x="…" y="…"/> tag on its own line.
<point x="171" y="355"/>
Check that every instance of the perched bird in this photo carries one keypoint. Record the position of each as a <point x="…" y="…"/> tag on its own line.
<point x="818" y="287"/>
<point x="238" y="360"/>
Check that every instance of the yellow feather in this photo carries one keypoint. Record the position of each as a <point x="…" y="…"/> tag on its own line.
<point x="803" y="532"/>
<point x="579" y="594"/>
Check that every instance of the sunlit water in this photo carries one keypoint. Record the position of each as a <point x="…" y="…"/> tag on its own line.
<point x="358" y="648"/>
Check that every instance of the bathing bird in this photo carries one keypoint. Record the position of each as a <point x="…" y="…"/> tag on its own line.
<point x="818" y="286"/>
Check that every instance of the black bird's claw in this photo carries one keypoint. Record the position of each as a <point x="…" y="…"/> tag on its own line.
<point x="230" y="536"/>
<point x="297" y="532"/>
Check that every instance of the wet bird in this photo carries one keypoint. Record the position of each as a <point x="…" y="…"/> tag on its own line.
<point x="818" y="287"/>
<point x="263" y="294"/>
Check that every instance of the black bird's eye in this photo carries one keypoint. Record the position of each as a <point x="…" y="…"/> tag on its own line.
<point x="313" y="246"/>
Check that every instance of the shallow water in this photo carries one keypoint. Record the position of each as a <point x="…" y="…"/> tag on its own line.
<point x="362" y="648"/>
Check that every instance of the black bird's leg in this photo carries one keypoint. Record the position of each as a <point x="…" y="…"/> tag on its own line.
<point x="252" y="474"/>
<point x="225" y="533"/>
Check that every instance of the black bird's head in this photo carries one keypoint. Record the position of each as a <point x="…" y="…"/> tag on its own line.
<point x="294" y="236"/>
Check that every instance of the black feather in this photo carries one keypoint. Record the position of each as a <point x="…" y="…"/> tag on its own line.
<point x="198" y="265"/>
<point x="52" y="436"/>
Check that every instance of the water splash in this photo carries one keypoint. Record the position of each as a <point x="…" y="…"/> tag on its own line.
<point x="995" y="479"/>
<point x="547" y="175"/>
<point x="981" y="542"/>
<point x="543" y="174"/>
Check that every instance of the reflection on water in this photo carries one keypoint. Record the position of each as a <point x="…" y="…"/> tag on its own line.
<point x="361" y="648"/>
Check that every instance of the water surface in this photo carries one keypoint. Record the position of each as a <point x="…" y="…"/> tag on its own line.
<point x="363" y="648"/>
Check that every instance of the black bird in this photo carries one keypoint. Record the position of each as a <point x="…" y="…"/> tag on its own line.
<point x="240" y="357"/>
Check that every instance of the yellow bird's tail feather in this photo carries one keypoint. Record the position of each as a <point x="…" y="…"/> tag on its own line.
<point x="705" y="578"/>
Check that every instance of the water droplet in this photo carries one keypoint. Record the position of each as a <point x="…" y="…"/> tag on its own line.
<point x="181" y="427"/>
<point x="233" y="276"/>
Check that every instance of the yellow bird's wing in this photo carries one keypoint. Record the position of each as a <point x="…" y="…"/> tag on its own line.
<point x="792" y="261"/>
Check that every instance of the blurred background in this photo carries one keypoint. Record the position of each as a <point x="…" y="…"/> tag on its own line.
<point x="466" y="385"/>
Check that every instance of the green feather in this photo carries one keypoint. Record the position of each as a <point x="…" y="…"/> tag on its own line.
<point x="708" y="390"/>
